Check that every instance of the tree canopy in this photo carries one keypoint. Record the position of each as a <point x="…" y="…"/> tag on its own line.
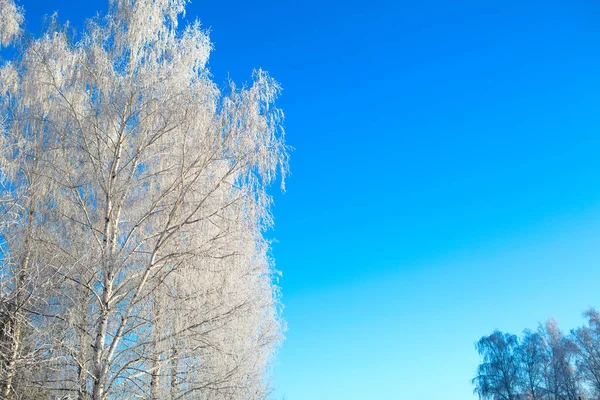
<point x="134" y="202"/>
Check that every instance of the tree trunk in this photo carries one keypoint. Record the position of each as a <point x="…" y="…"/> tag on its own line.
<point x="100" y="367"/>
<point x="7" y="388"/>
<point x="174" y="382"/>
<point x="83" y="352"/>
<point x="12" y="362"/>
<point x="154" y="384"/>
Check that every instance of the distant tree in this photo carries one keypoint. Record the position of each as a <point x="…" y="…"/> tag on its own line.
<point x="587" y="339"/>
<point x="560" y="375"/>
<point x="533" y="359"/>
<point x="541" y="365"/>
<point x="498" y="375"/>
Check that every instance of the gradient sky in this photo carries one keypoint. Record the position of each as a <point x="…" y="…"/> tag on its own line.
<point x="445" y="179"/>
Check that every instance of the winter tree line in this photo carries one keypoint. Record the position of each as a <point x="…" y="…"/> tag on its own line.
<point x="545" y="364"/>
<point x="133" y="209"/>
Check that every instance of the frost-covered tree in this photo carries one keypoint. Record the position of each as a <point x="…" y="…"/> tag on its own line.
<point x="11" y="18"/>
<point x="134" y="251"/>
<point x="27" y="223"/>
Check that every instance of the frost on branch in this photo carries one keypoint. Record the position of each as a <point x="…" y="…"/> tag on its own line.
<point x="11" y="18"/>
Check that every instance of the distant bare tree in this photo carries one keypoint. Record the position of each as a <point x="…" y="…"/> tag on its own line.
<point x="498" y="375"/>
<point x="533" y="360"/>
<point x="561" y="378"/>
<point x="547" y="365"/>
<point x="587" y="339"/>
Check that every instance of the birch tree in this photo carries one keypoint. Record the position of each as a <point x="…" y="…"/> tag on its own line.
<point x="153" y="276"/>
<point x="11" y="18"/>
<point x="533" y="360"/>
<point x="27" y="213"/>
<point x="498" y="375"/>
<point x="561" y="378"/>
<point x="587" y="340"/>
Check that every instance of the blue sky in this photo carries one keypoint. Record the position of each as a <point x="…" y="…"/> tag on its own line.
<point x="445" y="178"/>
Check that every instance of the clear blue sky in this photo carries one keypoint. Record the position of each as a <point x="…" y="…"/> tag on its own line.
<point x="445" y="182"/>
